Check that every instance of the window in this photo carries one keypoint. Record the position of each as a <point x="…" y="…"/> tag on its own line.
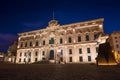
<point x="70" y="51"/>
<point x="87" y="37"/>
<point x="29" y="54"/>
<point x="43" y="53"/>
<point x="44" y="42"/>
<point x="24" y="59"/>
<point x="36" y="59"/>
<point x="43" y="59"/>
<point x="115" y="37"/>
<point x="79" y="38"/>
<point x="96" y="49"/>
<point x="51" y="41"/>
<point x="21" y="45"/>
<point x="81" y="59"/>
<point x="95" y="36"/>
<point x="61" y="58"/>
<point x="80" y="51"/>
<point x="29" y="60"/>
<point x="89" y="58"/>
<point x="36" y="43"/>
<point x="26" y="44"/>
<point x="70" y="59"/>
<point x="88" y="50"/>
<point x="61" y="41"/>
<point x="20" y="60"/>
<point x="118" y="52"/>
<point x="30" y="44"/>
<point x="25" y="54"/>
<point x="117" y="45"/>
<point x="36" y="53"/>
<point x="20" y="54"/>
<point x="69" y="39"/>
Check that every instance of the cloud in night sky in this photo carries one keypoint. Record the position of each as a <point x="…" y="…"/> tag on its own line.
<point x="6" y="40"/>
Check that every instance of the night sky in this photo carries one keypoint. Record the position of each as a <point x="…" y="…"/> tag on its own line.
<point x="18" y="16"/>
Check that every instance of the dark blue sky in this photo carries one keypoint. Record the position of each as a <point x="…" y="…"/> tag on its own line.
<point x="18" y="16"/>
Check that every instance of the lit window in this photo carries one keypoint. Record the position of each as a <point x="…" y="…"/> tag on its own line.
<point x="70" y="59"/>
<point x="79" y="38"/>
<point x="80" y="51"/>
<point x="88" y="50"/>
<point x="69" y="39"/>
<point x="81" y="59"/>
<point x="89" y="58"/>
<point x="70" y="51"/>
<point x="61" y="40"/>
<point x="87" y="38"/>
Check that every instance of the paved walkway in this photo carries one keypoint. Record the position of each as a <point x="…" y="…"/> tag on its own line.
<point x="58" y="72"/>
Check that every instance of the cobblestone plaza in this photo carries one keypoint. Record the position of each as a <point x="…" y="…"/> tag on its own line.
<point x="58" y="72"/>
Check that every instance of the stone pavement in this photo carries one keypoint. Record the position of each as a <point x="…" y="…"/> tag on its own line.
<point x="58" y="72"/>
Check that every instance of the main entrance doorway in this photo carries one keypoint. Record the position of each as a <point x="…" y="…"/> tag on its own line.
<point x="51" y="54"/>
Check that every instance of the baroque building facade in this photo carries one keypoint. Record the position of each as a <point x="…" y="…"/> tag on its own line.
<point x="70" y="43"/>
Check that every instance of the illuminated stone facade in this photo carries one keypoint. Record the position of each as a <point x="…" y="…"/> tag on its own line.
<point x="70" y="43"/>
<point x="114" y="40"/>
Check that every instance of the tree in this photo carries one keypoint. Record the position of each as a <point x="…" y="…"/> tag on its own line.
<point x="12" y="50"/>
